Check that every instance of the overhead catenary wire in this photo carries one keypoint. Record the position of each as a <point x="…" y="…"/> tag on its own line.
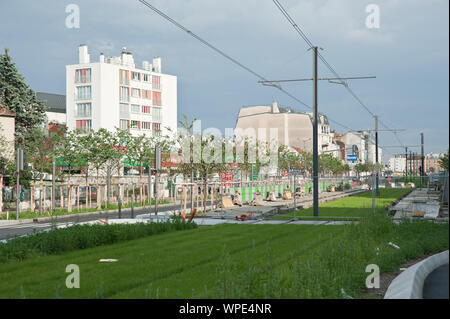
<point x="233" y="60"/>
<point x="325" y="62"/>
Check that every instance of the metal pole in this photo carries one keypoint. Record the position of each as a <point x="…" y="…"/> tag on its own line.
<point x="315" y="138"/>
<point x="132" y="205"/>
<point x="192" y="187"/>
<point x="376" y="156"/>
<point x="410" y="165"/>
<point x="295" y="201"/>
<point x="53" y="186"/>
<point x="373" y="194"/>
<point x="156" y="192"/>
<point x="119" y="204"/>
<point x="406" y="164"/>
<point x="422" y="173"/>
<point x="18" y="184"/>
<point x="149" y="188"/>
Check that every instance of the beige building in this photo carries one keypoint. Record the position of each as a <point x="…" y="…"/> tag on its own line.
<point x="293" y="129"/>
<point x="7" y="130"/>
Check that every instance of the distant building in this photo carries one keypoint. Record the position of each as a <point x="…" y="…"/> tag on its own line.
<point x="431" y="161"/>
<point x="362" y="144"/>
<point x="7" y="131"/>
<point x="294" y="129"/>
<point x="56" y="109"/>
<point x="114" y="92"/>
<point x="397" y="164"/>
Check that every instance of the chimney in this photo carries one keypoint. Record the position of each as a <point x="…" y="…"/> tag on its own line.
<point x="102" y="58"/>
<point x="157" y="64"/>
<point x="83" y="55"/>
<point x="275" y="108"/>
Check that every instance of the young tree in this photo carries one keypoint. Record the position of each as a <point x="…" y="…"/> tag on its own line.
<point x="39" y="150"/>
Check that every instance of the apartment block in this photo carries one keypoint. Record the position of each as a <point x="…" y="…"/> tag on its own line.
<point x="114" y="92"/>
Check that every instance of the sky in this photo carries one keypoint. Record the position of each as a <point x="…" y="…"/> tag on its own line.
<point x="408" y="54"/>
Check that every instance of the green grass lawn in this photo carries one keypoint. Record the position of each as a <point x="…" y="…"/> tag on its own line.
<point x="230" y="261"/>
<point x="352" y="206"/>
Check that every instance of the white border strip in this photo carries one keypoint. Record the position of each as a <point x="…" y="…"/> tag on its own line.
<point x="409" y="284"/>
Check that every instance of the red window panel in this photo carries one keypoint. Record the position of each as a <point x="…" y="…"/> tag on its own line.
<point x="156" y="96"/>
<point x="156" y="82"/>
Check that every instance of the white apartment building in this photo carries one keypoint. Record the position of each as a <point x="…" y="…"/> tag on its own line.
<point x="397" y="164"/>
<point x="114" y="92"/>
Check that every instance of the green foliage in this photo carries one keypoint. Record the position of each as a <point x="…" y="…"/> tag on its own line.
<point x="17" y="97"/>
<point x="443" y="162"/>
<point x="334" y="267"/>
<point x="57" y="241"/>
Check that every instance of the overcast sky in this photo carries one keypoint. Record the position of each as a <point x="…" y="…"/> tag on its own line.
<point x="408" y="54"/>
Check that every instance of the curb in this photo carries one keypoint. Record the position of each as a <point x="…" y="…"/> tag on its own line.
<point x="409" y="284"/>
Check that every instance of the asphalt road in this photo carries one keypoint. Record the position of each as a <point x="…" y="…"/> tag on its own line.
<point x="9" y="231"/>
<point x="436" y="284"/>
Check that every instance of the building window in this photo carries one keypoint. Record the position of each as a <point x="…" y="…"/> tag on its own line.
<point x="156" y="128"/>
<point x="124" y="77"/>
<point x="146" y="94"/>
<point x="146" y="109"/>
<point x="124" y="111"/>
<point x="135" y="108"/>
<point x="84" y="109"/>
<point x="156" y="115"/>
<point x="124" y="124"/>
<point x="146" y="125"/>
<point x="83" y="125"/>
<point x="135" y="76"/>
<point x="156" y="82"/>
<point x="156" y="96"/>
<point x="146" y="77"/>
<point x="136" y="93"/>
<point x="84" y="92"/>
<point x="135" y="125"/>
<point x="83" y="76"/>
<point x="124" y="94"/>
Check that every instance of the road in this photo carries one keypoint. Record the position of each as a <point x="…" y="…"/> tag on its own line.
<point x="9" y="231"/>
<point x="436" y="284"/>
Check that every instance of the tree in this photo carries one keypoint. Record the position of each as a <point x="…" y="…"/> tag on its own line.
<point x="40" y="150"/>
<point x="17" y="97"/>
<point x="443" y="162"/>
<point x="67" y="150"/>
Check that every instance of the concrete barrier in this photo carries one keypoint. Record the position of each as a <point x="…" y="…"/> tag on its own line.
<point x="409" y="284"/>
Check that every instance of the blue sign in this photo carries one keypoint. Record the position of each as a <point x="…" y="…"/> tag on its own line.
<point x="352" y="158"/>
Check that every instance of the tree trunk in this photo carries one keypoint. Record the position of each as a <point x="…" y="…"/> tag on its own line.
<point x="69" y="196"/>
<point x="41" y="195"/>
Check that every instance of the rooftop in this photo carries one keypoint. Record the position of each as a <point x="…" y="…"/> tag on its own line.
<point x="5" y="112"/>
<point x="55" y="102"/>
